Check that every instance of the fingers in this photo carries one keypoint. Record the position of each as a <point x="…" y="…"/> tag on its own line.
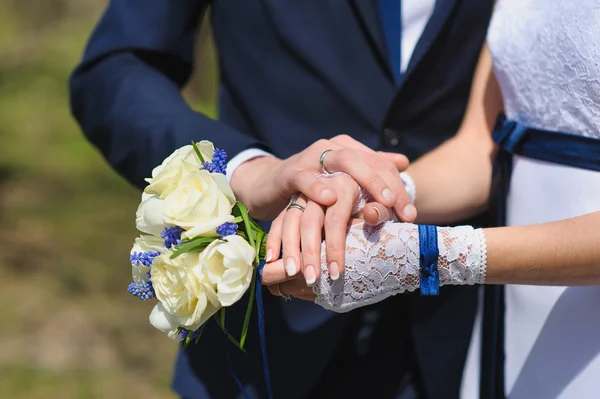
<point x="353" y="163"/>
<point x="400" y="161"/>
<point x="375" y="213"/>
<point x="296" y="288"/>
<point x="274" y="238"/>
<point x="381" y="179"/>
<point x="336" y="221"/>
<point x="274" y="273"/>
<point x="307" y="183"/>
<point x="290" y="238"/>
<point x="403" y="208"/>
<point x="311" y="232"/>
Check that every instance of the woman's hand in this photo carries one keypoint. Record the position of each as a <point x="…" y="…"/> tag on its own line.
<point x="301" y="232"/>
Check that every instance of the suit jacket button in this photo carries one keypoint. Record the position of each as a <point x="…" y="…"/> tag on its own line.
<point x="391" y="137"/>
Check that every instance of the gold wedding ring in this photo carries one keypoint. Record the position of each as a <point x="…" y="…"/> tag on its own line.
<point x="321" y="160"/>
<point x="295" y="205"/>
<point x="281" y="294"/>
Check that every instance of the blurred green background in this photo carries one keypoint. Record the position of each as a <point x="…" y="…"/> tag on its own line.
<point x="68" y="328"/>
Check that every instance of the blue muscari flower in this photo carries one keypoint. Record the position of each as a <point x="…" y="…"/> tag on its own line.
<point x="227" y="229"/>
<point x="142" y="290"/>
<point x="218" y="163"/>
<point x="184" y="333"/>
<point x="143" y="258"/>
<point x="172" y="236"/>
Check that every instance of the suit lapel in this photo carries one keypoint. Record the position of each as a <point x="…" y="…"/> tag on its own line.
<point x="329" y="37"/>
<point x="368" y="12"/>
<point x="441" y="13"/>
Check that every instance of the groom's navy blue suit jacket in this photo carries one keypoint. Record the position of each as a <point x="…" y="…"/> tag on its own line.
<point x="291" y="72"/>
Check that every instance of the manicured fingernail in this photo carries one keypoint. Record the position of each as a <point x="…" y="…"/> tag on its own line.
<point x="378" y="214"/>
<point x="334" y="271"/>
<point x="269" y="255"/>
<point x="388" y="195"/>
<point x="290" y="267"/>
<point x="409" y="213"/>
<point x="309" y="275"/>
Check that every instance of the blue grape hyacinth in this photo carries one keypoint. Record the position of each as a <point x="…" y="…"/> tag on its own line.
<point x="143" y="258"/>
<point x="218" y="163"/>
<point x="227" y="229"/>
<point x="172" y="236"/>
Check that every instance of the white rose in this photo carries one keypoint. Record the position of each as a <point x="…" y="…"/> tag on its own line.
<point x="199" y="204"/>
<point x="162" y="320"/>
<point x="228" y="264"/>
<point x="207" y="149"/>
<point x="149" y="215"/>
<point x="183" y="288"/>
<point x="144" y="243"/>
<point x="165" y="176"/>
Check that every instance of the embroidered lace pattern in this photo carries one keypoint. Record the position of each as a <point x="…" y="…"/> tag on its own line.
<point x="383" y="261"/>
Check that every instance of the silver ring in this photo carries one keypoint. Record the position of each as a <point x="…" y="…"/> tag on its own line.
<point x="322" y="159"/>
<point x="286" y="297"/>
<point x="295" y="205"/>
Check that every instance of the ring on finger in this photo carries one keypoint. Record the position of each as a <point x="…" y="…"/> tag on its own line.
<point x="281" y="294"/>
<point x="322" y="159"/>
<point x="295" y="205"/>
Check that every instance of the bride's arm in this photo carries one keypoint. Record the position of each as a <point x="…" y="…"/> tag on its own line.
<point x="565" y="252"/>
<point x="385" y="260"/>
<point x="453" y="181"/>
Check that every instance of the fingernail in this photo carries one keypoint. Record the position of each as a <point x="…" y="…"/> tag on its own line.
<point x="388" y="195"/>
<point x="409" y="213"/>
<point x="290" y="267"/>
<point x="269" y="255"/>
<point x="309" y="275"/>
<point x="334" y="271"/>
<point x="378" y="214"/>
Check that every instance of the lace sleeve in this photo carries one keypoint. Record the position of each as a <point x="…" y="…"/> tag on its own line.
<point x="383" y="261"/>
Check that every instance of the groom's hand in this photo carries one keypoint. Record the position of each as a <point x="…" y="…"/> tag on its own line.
<point x="266" y="184"/>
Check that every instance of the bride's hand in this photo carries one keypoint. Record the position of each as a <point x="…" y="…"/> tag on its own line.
<point x="301" y="232"/>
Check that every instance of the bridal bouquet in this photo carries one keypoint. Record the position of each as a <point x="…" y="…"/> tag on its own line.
<point x="199" y="249"/>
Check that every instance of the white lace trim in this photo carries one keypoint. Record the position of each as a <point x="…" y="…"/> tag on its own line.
<point x="409" y="186"/>
<point x="383" y="261"/>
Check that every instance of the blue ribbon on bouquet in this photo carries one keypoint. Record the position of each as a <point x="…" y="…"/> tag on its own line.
<point x="261" y="334"/>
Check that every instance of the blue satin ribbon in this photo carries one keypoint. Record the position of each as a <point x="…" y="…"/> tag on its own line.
<point x="428" y="260"/>
<point x="262" y="337"/>
<point x="514" y="138"/>
<point x="261" y="328"/>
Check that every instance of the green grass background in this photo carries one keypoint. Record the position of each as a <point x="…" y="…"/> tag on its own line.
<point x="68" y="328"/>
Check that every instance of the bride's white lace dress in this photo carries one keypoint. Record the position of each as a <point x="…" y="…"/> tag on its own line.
<point x="546" y="58"/>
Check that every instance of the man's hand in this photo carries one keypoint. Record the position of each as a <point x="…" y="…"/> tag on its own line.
<point x="265" y="184"/>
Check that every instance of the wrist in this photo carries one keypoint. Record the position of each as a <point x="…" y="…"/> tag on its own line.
<point x="462" y="256"/>
<point x="247" y="176"/>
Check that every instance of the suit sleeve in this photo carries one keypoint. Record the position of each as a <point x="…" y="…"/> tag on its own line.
<point x="126" y="93"/>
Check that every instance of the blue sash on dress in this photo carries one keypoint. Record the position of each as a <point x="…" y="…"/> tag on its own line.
<point x="514" y="138"/>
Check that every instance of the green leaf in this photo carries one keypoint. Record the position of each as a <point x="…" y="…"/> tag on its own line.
<point x="195" y="245"/>
<point x="237" y="220"/>
<point x="247" y="224"/>
<point x="199" y="333"/>
<point x="259" y="240"/>
<point x="248" y="310"/>
<point x="231" y="338"/>
<point x="198" y="152"/>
